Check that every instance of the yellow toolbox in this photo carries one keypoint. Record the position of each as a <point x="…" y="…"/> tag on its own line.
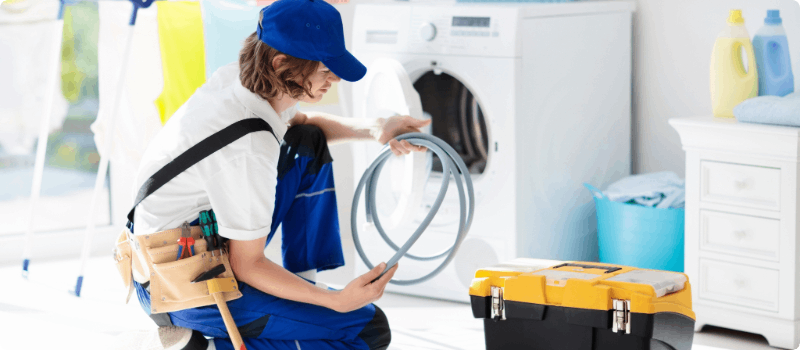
<point x="582" y="306"/>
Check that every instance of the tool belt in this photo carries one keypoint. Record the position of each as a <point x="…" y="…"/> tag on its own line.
<point x="150" y="260"/>
<point x="153" y="259"/>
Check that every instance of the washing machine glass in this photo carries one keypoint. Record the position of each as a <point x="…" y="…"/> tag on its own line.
<point x="457" y="118"/>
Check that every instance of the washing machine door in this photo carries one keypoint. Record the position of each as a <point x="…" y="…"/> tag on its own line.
<point x="389" y="92"/>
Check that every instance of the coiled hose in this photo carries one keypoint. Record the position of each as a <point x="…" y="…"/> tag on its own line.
<point x="452" y="164"/>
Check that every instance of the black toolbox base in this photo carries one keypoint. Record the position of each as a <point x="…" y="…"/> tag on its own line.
<point x="539" y="327"/>
<point x="539" y="335"/>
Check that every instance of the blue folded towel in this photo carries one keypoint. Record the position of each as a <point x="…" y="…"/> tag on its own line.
<point x="661" y="190"/>
<point x="770" y="110"/>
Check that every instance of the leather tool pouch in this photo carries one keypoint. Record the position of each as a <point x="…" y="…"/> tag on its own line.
<point x="171" y="287"/>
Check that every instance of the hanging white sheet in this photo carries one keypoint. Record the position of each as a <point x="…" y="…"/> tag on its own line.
<point x="26" y="44"/>
<point x="137" y="120"/>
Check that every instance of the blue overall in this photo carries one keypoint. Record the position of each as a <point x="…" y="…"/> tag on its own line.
<point x="305" y="204"/>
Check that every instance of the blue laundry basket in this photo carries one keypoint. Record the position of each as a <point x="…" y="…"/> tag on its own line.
<point x="639" y="236"/>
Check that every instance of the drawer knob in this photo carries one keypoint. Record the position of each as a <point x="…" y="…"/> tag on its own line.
<point x="740" y="234"/>
<point x="740" y="283"/>
<point x="741" y="184"/>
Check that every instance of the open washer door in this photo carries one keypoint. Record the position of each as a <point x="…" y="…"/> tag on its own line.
<point x="389" y="92"/>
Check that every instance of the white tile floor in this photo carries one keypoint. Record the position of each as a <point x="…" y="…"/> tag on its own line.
<point x="39" y="313"/>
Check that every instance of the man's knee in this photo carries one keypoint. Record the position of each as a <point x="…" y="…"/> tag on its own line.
<point x="376" y="333"/>
<point x="305" y="134"/>
<point x="304" y="141"/>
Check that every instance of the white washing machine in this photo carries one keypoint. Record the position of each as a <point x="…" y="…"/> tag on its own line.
<point x="536" y="98"/>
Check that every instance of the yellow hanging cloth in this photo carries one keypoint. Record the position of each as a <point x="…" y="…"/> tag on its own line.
<point x="180" y="36"/>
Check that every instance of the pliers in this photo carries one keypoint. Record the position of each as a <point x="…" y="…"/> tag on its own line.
<point x="186" y="242"/>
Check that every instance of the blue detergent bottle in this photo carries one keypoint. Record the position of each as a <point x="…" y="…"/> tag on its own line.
<point x="772" y="57"/>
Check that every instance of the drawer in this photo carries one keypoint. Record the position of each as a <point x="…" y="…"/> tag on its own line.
<point x="741" y="185"/>
<point x="748" y="236"/>
<point x="747" y="286"/>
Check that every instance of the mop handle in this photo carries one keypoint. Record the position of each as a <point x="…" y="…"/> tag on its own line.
<point x="41" y="144"/>
<point x="108" y="145"/>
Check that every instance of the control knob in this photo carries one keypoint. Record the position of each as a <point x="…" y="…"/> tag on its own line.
<point x="427" y="31"/>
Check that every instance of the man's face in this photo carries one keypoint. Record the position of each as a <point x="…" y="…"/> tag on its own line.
<point x="321" y="81"/>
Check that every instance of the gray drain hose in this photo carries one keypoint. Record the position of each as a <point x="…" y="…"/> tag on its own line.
<point x="452" y="164"/>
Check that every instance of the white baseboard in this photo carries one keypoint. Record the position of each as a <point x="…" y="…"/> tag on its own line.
<point x="780" y="333"/>
<point x="65" y="244"/>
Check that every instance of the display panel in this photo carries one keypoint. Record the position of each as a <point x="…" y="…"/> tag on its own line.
<point x="471" y="22"/>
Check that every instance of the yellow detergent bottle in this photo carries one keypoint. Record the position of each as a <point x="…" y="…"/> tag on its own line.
<point x="731" y="83"/>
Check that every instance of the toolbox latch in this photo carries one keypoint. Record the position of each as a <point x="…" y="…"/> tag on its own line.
<point x="498" y="305"/>
<point x="622" y="316"/>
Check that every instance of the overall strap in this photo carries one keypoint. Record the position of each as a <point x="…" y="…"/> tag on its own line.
<point x="197" y="153"/>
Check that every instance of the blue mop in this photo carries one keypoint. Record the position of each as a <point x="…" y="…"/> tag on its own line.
<point x="104" y="157"/>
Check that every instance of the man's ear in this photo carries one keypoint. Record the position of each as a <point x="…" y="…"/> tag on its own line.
<point x="277" y="61"/>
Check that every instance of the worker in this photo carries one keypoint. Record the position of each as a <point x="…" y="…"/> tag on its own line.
<point x="265" y="179"/>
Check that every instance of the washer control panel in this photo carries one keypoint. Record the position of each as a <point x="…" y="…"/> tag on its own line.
<point x="451" y="30"/>
<point x="459" y="30"/>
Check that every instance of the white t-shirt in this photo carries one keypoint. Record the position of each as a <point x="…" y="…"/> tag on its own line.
<point x="238" y="181"/>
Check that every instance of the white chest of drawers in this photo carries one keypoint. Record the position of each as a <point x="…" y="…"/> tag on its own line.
<point x="742" y="243"/>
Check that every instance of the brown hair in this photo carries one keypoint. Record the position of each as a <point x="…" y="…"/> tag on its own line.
<point x="258" y="76"/>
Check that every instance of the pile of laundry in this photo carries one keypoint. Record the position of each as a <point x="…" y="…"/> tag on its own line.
<point x="659" y="190"/>
<point x="770" y="110"/>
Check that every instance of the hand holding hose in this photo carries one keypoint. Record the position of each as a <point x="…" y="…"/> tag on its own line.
<point x="398" y="125"/>
<point x="362" y="291"/>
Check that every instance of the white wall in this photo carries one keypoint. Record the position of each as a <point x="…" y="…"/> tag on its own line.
<point x="673" y="40"/>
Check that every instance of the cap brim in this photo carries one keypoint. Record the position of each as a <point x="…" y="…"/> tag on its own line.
<point x="346" y="67"/>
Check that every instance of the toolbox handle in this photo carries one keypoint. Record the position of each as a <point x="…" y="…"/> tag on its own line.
<point x="609" y="269"/>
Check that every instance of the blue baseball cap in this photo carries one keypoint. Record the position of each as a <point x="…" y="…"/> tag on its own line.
<point x="311" y="30"/>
